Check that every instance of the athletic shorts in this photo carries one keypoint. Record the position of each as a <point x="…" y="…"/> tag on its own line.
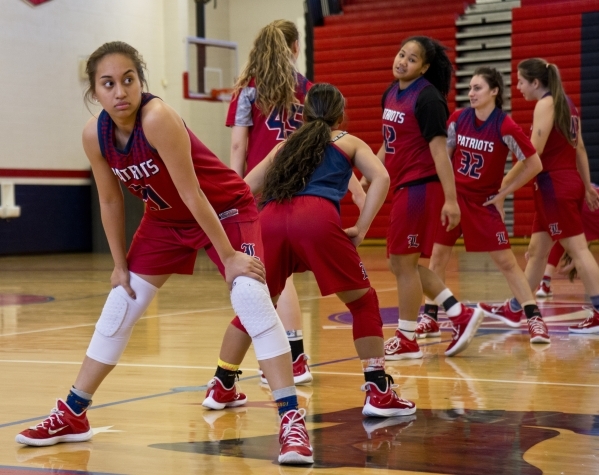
<point x="415" y="216"/>
<point x="482" y="227"/>
<point x="160" y="250"/>
<point x="306" y="234"/>
<point x="558" y="198"/>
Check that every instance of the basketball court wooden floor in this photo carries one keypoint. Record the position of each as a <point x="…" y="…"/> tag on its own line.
<point x="504" y="406"/>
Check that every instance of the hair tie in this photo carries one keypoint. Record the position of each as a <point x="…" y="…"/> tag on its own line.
<point x="547" y="65"/>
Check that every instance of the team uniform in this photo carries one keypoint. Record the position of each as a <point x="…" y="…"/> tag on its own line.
<point x="480" y="152"/>
<point x="590" y="224"/>
<point x="411" y="119"/>
<point x="305" y="233"/>
<point x="558" y="190"/>
<point x="168" y="236"/>
<point x="265" y="132"/>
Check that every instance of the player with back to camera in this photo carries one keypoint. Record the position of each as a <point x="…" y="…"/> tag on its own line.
<point x="266" y="108"/>
<point x="193" y="201"/>
<point x="301" y="183"/>
<point x="559" y="190"/>
<point x="424" y="197"/>
<point x="480" y="138"/>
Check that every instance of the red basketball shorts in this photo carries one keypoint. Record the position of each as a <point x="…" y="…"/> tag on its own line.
<point x="558" y="198"/>
<point x="415" y="216"/>
<point x="306" y="234"/>
<point x="482" y="227"/>
<point x="160" y="250"/>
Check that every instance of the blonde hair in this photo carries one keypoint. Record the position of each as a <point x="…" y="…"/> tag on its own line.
<point x="271" y="65"/>
<point x="548" y="76"/>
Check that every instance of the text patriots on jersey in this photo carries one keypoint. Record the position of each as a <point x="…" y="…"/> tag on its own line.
<point x="475" y="144"/>
<point x="393" y="116"/>
<point x="137" y="172"/>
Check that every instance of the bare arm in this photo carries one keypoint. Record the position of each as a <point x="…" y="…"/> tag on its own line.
<point x="165" y="131"/>
<point x="450" y="214"/>
<point x="542" y="123"/>
<point x="239" y="147"/>
<point x="523" y="172"/>
<point x="112" y="207"/>
<point x="358" y="195"/>
<point x="255" y="178"/>
<point x="376" y="174"/>
<point x="381" y="156"/>
<point x="582" y="164"/>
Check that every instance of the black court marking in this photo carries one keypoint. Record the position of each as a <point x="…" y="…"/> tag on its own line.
<point x="433" y="441"/>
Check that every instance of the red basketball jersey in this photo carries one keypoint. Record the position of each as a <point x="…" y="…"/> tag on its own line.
<point x="265" y="131"/>
<point x="141" y="169"/>
<point x="407" y="153"/>
<point x="558" y="154"/>
<point x="480" y="151"/>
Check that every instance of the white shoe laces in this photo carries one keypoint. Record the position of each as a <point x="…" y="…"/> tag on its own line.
<point x="392" y="344"/>
<point x="537" y="325"/>
<point x="424" y="326"/>
<point x="295" y="434"/>
<point x="55" y="415"/>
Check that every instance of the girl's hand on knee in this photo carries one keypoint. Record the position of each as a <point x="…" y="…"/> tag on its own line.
<point x="240" y="264"/>
<point x="120" y="277"/>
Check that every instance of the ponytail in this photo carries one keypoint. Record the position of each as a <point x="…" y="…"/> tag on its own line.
<point x="271" y="64"/>
<point x="435" y="55"/>
<point x="548" y="75"/>
<point x="304" y="150"/>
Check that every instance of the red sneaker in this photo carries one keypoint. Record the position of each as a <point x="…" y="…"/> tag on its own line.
<point x="590" y="325"/>
<point x="385" y="404"/>
<point x="218" y="397"/>
<point x="62" y="425"/>
<point x="538" y="330"/>
<point x="301" y="371"/>
<point x="294" y="440"/>
<point x="399" y="347"/>
<point x="464" y="329"/>
<point x="503" y="313"/>
<point x="544" y="291"/>
<point x="427" y="327"/>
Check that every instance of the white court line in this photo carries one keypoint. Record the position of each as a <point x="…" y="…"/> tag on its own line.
<point x="335" y="373"/>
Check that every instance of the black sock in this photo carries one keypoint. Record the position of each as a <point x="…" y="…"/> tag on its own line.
<point x="297" y="348"/>
<point x="377" y="377"/>
<point x="532" y="311"/>
<point x="431" y="310"/>
<point x="450" y="302"/>
<point x="226" y="376"/>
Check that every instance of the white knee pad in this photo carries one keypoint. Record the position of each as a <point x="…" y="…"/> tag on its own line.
<point x="251" y="301"/>
<point x="119" y="315"/>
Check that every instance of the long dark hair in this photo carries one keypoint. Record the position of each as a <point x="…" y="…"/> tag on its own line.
<point x="548" y="76"/>
<point x="493" y="78"/>
<point x="114" y="47"/>
<point x="434" y="54"/>
<point x="303" y="151"/>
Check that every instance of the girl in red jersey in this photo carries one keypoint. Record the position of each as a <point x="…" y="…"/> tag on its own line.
<point x="266" y="107"/>
<point x="301" y="184"/>
<point x="562" y="186"/>
<point x="192" y="201"/>
<point x="590" y="223"/>
<point x="479" y="140"/>
<point x="415" y="154"/>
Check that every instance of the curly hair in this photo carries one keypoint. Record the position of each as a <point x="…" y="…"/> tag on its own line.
<point x="303" y="151"/>
<point x="271" y="64"/>
<point x="548" y="76"/>
<point x="435" y="55"/>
